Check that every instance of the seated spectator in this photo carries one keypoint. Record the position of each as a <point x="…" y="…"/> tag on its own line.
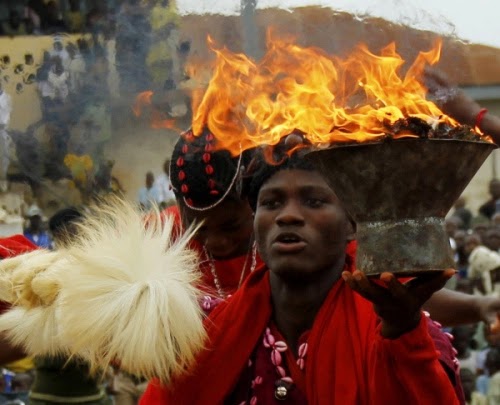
<point x="463" y="213"/>
<point x="461" y="258"/>
<point x="162" y="182"/>
<point x="74" y="17"/>
<point x="149" y="195"/>
<point x="493" y="365"/>
<point x="35" y="232"/>
<point x="58" y="81"/>
<point x="492" y="239"/>
<point x="54" y="22"/>
<point x="58" y="51"/>
<point x="489" y="208"/>
<point x="76" y="69"/>
<point x="463" y="343"/>
<point x="14" y="25"/>
<point x="484" y="265"/>
<point x="472" y="397"/>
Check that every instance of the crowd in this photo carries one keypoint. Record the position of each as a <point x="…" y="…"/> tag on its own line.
<point x="37" y="17"/>
<point x="475" y="239"/>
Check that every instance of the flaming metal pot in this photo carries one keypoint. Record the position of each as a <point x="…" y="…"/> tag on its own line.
<point x="399" y="193"/>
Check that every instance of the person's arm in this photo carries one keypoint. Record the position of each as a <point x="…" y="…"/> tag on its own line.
<point x="404" y="365"/>
<point x="458" y="105"/>
<point x="451" y="308"/>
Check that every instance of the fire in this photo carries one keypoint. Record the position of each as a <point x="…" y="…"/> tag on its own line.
<point x="305" y="90"/>
<point x="159" y="119"/>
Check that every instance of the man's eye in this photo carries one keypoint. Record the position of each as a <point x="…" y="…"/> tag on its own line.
<point x="314" y="202"/>
<point x="269" y="203"/>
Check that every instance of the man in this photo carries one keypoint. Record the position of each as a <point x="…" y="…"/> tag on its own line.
<point x="296" y="331"/>
<point x="5" y="141"/>
<point x="489" y="208"/>
<point x="163" y="185"/>
<point x="149" y="195"/>
<point x="35" y="232"/>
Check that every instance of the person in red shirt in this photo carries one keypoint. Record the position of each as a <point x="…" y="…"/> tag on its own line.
<point x="309" y="328"/>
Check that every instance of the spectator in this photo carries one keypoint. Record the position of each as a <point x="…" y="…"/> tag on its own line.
<point x="480" y="227"/>
<point x="149" y="195"/>
<point x="54" y="22"/>
<point x="452" y="224"/>
<point x="74" y="17"/>
<point x="472" y="397"/>
<point x="493" y="365"/>
<point x="76" y="69"/>
<point x="35" y="232"/>
<point x="36" y="11"/>
<point x="483" y="264"/>
<point x="58" y="81"/>
<point x="492" y="239"/>
<point x="495" y="219"/>
<point x="461" y="258"/>
<point x="462" y="343"/>
<point x="489" y="208"/>
<point x="14" y="25"/>
<point x="164" y="186"/>
<point x="463" y="213"/>
<point x="5" y="141"/>
<point x="58" y="51"/>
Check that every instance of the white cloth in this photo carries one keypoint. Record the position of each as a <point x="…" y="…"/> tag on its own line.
<point x="162" y="183"/>
<point x="481" y="262"/>
<point x="5" y="109"/>
<point x="5" y="141"/>
<point x="58" y="86"/>
<point x="77" y="70"/>
<point x="64" y="55"/>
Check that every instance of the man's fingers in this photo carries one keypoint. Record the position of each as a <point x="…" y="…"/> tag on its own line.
<point x="363" y="286"/>
<point x="426" y="285"/>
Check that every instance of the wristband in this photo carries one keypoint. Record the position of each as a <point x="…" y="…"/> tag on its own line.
<point x="479" y="117"/>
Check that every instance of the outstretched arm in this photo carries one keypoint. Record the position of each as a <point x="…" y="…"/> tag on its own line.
<point x="457" y="104"/>
<point x="404" y="363"/>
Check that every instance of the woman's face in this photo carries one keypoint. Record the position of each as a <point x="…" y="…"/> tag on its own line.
<point x="226" y="230"/>
<point x="300" y="226"/>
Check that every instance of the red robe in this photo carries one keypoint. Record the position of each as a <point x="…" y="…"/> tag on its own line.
<point x="348" y="361"/>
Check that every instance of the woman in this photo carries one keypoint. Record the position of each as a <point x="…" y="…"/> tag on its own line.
<point x="208" y="187"/>
<point x="296" y="331"/>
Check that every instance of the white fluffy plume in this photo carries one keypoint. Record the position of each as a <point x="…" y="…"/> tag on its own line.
<point x="124" y="290"/>
<point x="130" y="295"/>
<point x="35" y="329"/>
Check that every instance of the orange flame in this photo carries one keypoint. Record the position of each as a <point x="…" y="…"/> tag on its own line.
<point x="158" y="118"/>
<point x="326" y="98"/>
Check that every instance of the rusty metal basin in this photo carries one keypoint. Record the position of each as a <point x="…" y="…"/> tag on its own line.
<point x="399" y="193"/>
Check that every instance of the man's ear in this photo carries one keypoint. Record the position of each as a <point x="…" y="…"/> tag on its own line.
<point x="351" y="229"/>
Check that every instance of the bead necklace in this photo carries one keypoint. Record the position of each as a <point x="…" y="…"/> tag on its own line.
<point x="213" y="271"/>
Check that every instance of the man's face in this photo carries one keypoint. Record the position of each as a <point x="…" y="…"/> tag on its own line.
<point x="226" y="229"/>
<point x="300" y="226"/>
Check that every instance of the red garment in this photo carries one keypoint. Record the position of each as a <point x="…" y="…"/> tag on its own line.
<point x="15" y="245"/>
<point x="348" y="361"/>
<point x="10" y="247"/>
<point x="228" y="271"/>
